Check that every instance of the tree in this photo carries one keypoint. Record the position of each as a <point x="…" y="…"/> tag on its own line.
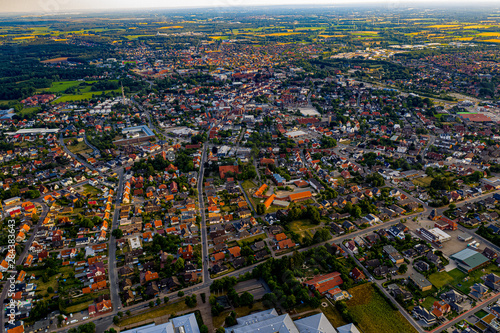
<point x="117" y="233"/>
<point x="261" y="209"/>
<point x="116" y="320"/>
<point x="180" y="293"/>
<point x="403" y="268"/>
<point x="246" y="299"/>
<point x="220" y="330"/>
<point x="166" y="299"/>
<point x="120" y="314"/>
<point x="151" y="304"/>
<point x="191" y="301"/>
<point x="158" y="301"/>
<point x="452" y="206"/>
<point x="203" y="329"/>
<point x="128" y="313"/>
<point x="50" y="290"/>
<point x="203" y="297"/>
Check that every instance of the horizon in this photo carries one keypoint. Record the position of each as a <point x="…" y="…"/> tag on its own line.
<point x="54" y="7"/>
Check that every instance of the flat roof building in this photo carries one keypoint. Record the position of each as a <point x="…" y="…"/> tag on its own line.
<point x="469" y="260"/>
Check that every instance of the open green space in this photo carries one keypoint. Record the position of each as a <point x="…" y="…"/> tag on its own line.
<point x="333" y="315"/>
<point x="373" y="312"/>
<point x="79" y="148"/>
<point x="302" y="226"/>
<point x="27" y="112"/>
<point x="425" y="181"/>
<point x="480" y="313"/>
<point x="428" y="302"/>
<point x="251" y="239"/>
<point x="241" y="311"/>
<point x="154" y="313"/>
<point x="461" y="280"/>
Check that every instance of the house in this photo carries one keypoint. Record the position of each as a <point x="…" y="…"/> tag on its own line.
<point x="440" y="308"/>
<point x="420" y="281"/>
<point x="393" y="254"/>
<point x="186" y="252"/>
<point x="357" y="274"/>
<point x="492" y="281"/>
<point x="324" y="283"/>
<point x="478" y="291"/>
<point x="423" y="314"/>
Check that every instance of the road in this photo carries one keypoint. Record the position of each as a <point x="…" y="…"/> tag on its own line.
<point x="463" y="316"/>
<point x="203" y="225"/>
<point x="63" y="145"/>
<point x="21" y="257"/>
<point x="386" y="293"/>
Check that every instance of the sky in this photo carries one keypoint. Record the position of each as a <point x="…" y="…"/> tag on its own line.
<point x="54" y="6"/>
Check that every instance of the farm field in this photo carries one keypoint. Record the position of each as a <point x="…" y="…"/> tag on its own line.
<point x="302" y="226"/>
<point x="373" y="313"/>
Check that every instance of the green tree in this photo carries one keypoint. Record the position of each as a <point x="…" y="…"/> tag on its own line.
<point x="116" y="320"/>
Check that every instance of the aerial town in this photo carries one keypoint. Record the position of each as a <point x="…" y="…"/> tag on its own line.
<point x="261" y="171"/>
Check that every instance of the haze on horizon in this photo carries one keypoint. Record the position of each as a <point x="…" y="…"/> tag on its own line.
<point x="55" y="6"/>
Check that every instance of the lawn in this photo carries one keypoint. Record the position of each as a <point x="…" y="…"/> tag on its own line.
<point x="302" y="226"/>
<point x="373" y="313"/>
<point x="460" y="280"/>
<point x="248" y="184"/>
<point x="251" y="239"/>
<point x="89" y="189"/>
<point x="333" y="315"/>
<point x="28" y="111"/>
<point x="240" y="312"/>
<point x="428" y="302"/>
<point x="79" y="148"/>
<point x="425" y="181"/>
<point x="154" y="313"/>
<point x="480" y="313"/>
<point x="79" y="307"/>
<point x="63" y="85"/>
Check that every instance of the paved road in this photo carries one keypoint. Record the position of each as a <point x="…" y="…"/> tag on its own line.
<point x="21" y="257"/>
<point x="386" y="293"/>
<point x="463" y="316"/>
<point x="63" y="145"/>
<point x="203" y="225"/>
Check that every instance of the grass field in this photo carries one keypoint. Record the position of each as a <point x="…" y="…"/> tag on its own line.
<point x="425" y="181"/>
<point x="80" y="148"/>
<point x="251" y="239"/>
<point x="373" y="313"/>
<point x="460" y="280"/>
<point x="333" y="315"/>
<point x="154" y="313"/>
<point x="240" y="312"/>
<point x="91" y="189"/>
<point x="29" y="111"/>
<point x="428" y="302"/>
<point x="79" y="307"/>
<point x="302" y="226"/>
<point x="248" y="184"/>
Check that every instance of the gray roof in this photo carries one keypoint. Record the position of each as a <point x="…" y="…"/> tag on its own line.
<point x="469" y="258"/>
<point x="188" y="322"/>
<point x="349" y="328"/>
<point x="315" y="324"/>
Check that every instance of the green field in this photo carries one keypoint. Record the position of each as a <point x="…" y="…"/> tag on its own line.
<point x="151" y="314"/>
<point x="425" y="181"/>
<point x="240" y="312"/>
<point x="460" y="280"/>
<point x="63" y="85"/>
<point x="29" y="111"/>
<point x="302" y="226"/>
<point x="428" y="302"/>
<point x="333" y="315"/>
<point x="79" y="148"/>
<point x="373" y="313"/>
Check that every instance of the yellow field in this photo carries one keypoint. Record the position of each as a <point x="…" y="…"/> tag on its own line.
<point x="332" y="36"/>
<point x="489" y="34"/>
<point x="492" y="40"/>
<point x="478" y="26"/>
<point x="444" y="26"/>
<point x="173" y="27"/>
<point x="26" y="37"/>
<point x="465" y="39"/>
<point x="277" y="34"/>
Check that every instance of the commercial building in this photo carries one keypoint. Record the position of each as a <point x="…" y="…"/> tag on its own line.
<point x="469" y="260"/>
<point x="297" y="197"/>
<point x="186" y="324"/>
<point x="268" y="321"/>
<point x="420" y="281"/>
